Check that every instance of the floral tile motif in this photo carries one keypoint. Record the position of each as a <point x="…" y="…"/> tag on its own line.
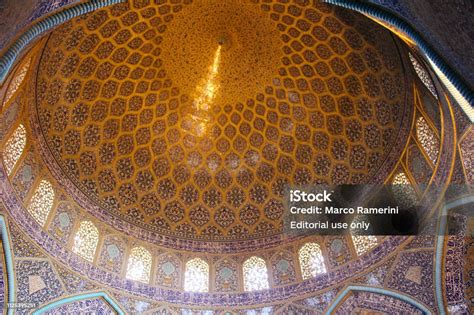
<point x="422" y="289"/>
<point x="21" y="246"/>
<point x="371" y="303"/>
<point x="26" y="174"/>
<point x="94" y="306"/>
<point x="376" y="277"/>
<point x="133" y="305"/>
<point x="320" y="301"/>
<point x="72" y="282"/>
<point x="338" y="250"/>
<point x="36" y="282"/>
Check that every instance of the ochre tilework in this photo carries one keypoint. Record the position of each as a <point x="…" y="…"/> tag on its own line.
<point x="186" y="119"/>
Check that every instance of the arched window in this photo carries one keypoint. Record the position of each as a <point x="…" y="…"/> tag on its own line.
<point x="403" y="191"/>
<point x="86" y="240"/>
<point x="427" y="138"/>
<point x="139" y="265"/>
<point x="14" y="148"/>
<point x="17" y="80"/>
<point x="42" y="202"/>
<point x="196" y="276"/>
<point x="423" y="75"/>
<point x="311" y="260"/>
<point x="255" y="274"/>
<point x="362" y="243"/>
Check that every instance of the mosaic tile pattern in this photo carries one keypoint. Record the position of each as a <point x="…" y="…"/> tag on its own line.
<point x="459" y="184"/>
<point x="427" y="138"/>
<point x="292" y="309"/>
<point x="62" y="224"/>
<point x="112" y="253"/>
<point x="199" y="219"/>
<point x="455" y="264"/>
<point x="422" y="241"/>
<point x="49" y="286"/>
<point x="26" y="174"/>
<point x="14" y="148"/>
<point x="95" y="306"/>
<point x="443" y="24"/>
<point x="3" y="280"/>
<point x="372" y="303"/>
<point x="10" y="116"/>
<point x="108" y="279"/>
<point x="320" y="301"/>
<point x="413" y="274"/>
<point x="430" y="106"/>
<point x="418" y="165"/>
<point x="467" y="155"/>
<point x="469" y="273"/>
<point x="134" y="305"/>
<point x="226" y="277"/>
<point x="283" y="267"/>
<point x="334" y="87"/>
<point x="377" y="277"/>
<point x="73" y="283"/>
<point x="21" y="246"/>
<point x="15" y="16"/>
<point x="338" y="250"/>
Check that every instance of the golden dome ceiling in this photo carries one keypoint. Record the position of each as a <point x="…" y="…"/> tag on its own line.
<point x="190" y="117"/>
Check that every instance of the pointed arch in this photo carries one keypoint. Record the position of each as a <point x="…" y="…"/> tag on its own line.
<point x="255" y="274"/>
<point x="80" y="297"/>
<point x="14" y="148"/>
<point x="403" y="190"/>
<point x="311" y="260"/>
<point x="86" y="240"/>
<point x="139" y="264"/>
<point x="196" y="276"/>
<point x="427" y="138"/>
<point x="7" y="253"/>
<point x="341" y="297"/>
<point x="16" y="81"/>
<point x="423" y="75"/>
<point x="41" y="202"/>
<point x="362" y="243"/>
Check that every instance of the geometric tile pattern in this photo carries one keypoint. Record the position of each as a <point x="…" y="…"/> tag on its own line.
<point x="322" y="95"/>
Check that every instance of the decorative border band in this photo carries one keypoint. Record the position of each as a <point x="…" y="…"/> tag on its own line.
<point x="440" y="249"/>
<point x="387" y="292"/>
<point x="9" y="263"/>
<point x="80" y="297"/>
